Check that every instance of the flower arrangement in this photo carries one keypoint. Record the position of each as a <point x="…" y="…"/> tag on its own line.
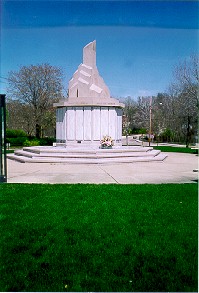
<point x="106" y="142"/>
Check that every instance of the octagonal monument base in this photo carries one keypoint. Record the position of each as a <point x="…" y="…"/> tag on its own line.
<point x="91" y="155"/>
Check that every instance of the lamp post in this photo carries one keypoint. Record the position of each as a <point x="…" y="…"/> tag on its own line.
<point x="3" y="165"/>
<point x="150" y="120"/>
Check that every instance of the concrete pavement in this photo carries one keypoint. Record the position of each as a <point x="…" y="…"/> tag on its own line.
<point x="176" y="168"/>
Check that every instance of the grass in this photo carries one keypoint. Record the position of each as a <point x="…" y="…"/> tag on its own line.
<point x="10" y="151"/>
<point x="80" y="237"/>
<point x="175" y="149"/>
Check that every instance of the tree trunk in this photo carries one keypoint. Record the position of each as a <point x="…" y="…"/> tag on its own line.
<point x="188" y="132"/>
<point x="38" y="130"/>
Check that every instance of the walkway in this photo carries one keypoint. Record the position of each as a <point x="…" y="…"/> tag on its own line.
<point x="176" y="168"/>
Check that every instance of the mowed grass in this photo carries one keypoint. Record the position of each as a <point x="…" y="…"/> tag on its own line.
<point x="176" y="149"/>
<point x="99" y="238"/>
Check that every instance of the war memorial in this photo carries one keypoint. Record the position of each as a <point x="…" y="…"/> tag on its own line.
<point x="88" y="124"/>
<point x="89" y="113"/>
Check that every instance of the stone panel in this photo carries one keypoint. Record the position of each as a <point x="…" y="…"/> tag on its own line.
<point x="58" y="124"/>
<point x="112" y="120"/>
<point x="71" y="123"/>
<point x="119" y="124"/>
<point x="104" y="121"/>
<point x="87" y="123"/>
<point x="79" y="123"/>
<point x="64" y="124"/>
<point x="96" y="123"/>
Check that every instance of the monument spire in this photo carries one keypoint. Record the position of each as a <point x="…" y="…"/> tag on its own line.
<point x="89" y="54"/>
<point x="86" y="81"/>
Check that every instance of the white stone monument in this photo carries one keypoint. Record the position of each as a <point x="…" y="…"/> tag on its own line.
<point x="83" y="119"/>
<point x="89" y="113"/>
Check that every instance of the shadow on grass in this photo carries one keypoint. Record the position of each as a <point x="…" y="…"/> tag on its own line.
<point x="140" y="273"/>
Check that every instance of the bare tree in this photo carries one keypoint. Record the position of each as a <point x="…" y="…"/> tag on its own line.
<point x="129" y="112"/>
<point x="36" y="88"/>
<point x="142" y="115"/>
<point x="20" y="116"/>
<point x="185" y="90"/>
<point x="150" y="113"/>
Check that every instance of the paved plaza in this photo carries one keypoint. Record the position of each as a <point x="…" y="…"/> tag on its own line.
<point x="176" y="168"/>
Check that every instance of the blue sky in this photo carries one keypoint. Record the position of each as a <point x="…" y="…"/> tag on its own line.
<point x="138" y="42"/>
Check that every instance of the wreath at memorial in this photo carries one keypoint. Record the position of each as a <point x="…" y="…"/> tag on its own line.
<point x="106" y="142"/>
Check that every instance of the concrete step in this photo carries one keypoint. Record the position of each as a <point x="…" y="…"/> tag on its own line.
<point x="97" y="154"/>
<point x="22" y="159"/>
<point x="87" y="150"/>
<point x="86" y="156"/>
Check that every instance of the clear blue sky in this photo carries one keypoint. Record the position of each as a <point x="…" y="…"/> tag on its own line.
<point x="138" y="42"/>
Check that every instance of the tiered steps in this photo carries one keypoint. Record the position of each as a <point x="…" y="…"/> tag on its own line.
<point x="80" y="155"/>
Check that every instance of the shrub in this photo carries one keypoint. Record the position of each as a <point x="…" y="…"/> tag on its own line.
<point x="142" y="131"/>
<point x="15" y="133"/>
<point x="127" y="131"/>
<point x="47" y="141"/>
<point x="16" y="137"/>
<point x="167" y="135"/>
<point x="33" y="142"/>
<point x="16" y="141"/>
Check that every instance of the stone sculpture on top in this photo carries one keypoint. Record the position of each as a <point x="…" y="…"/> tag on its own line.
<point x="86" y="81"/>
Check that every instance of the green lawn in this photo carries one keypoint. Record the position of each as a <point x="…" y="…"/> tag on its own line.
<point x="99" y="238"/>
<point x="9" y="151"/>
<point x="175" y="149"/>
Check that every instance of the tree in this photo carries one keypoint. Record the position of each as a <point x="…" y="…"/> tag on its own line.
<point x="36" y="88"/>
<point x="142" y="115"/>
<point x="129" y="113"/>
<point x="138" y="113"/>
<point x="20" y="116"/>
<point x="185" y="91"/>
